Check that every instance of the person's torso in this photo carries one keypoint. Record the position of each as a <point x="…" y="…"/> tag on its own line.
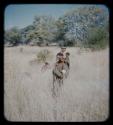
<point x="60" y="66"/>
<point x="64" y="54"/>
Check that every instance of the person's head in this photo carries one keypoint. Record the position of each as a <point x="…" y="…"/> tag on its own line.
<point x="46" y="63"/>
<point x="63" y="49"/>
<point x="60" y="56"/>
<point x="67" y="54"/>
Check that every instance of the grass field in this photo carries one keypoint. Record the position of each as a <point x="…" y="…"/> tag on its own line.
<point x="28" y="94"/>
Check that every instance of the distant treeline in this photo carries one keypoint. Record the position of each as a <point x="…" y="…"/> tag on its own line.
<point x="86" y="26"/>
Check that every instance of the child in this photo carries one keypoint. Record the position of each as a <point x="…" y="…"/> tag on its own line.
<point x="45" y="66"/>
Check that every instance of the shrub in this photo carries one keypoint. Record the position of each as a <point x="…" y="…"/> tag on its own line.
<point x="43" y="55"/>
<point x="66" y="43"/>
<point x="12" y="36"/>
<point x="98" y="39"/>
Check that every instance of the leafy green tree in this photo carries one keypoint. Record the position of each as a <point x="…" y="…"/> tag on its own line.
<point x="25" y="33"/>
<point x="83" y="26"/>
<point x="13" y="36"/>
<point x="75" y="24"/>
<point x="45" y="28"/>
<point x="98" y="38"/>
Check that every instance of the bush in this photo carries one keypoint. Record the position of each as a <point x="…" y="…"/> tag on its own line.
<point x="13" y="36"/>
<point x="102" y="44"/>
<point x="43" y="55"/>
<point x="98" y="39"/>
<point x="61" y="43"/>
<point x="66" y="43"/>
<point x="70" y="43"/>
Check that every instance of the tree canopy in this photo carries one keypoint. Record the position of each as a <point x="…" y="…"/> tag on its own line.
<point x="81" y="26"/>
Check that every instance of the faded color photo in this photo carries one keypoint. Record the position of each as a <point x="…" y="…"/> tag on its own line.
<point x="56" y="62"/>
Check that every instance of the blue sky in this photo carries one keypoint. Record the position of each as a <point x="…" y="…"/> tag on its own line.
<point x="23" y="15"/>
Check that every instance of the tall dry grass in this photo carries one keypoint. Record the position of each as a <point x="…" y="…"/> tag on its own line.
<point x="28" y="92"/>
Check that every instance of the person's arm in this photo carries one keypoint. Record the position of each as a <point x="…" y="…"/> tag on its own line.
<point x="57" y="57"/>
<point x="57" y="71"/>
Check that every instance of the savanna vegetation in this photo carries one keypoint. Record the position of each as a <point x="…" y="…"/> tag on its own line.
<point x="84" y="96"/>
<point x="85" y="27"/>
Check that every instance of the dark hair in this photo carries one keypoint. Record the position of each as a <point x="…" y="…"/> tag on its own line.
<point x="46" y="63"/>
<point x="68" y="53"/>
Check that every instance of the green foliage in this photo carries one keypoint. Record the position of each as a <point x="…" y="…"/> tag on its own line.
<point x="98" y="38"/>
<point x="43" y="55"/>
<point x="13" y="36"/>
<point x="66" y="43"/>
<point x="27" y="33"/>
<point x="45" y="28"/>
<point x="86" y="26"/>
<point x="79" y="27"/>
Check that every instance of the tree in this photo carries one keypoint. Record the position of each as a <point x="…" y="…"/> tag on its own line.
<point x="75" y="24"/>
<point x="98" y="38"/>
<point x="77" y="27"/>
<point x="12" y="36"/>
<point x="25" y="33"/>
<point x="45" y="28"/>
